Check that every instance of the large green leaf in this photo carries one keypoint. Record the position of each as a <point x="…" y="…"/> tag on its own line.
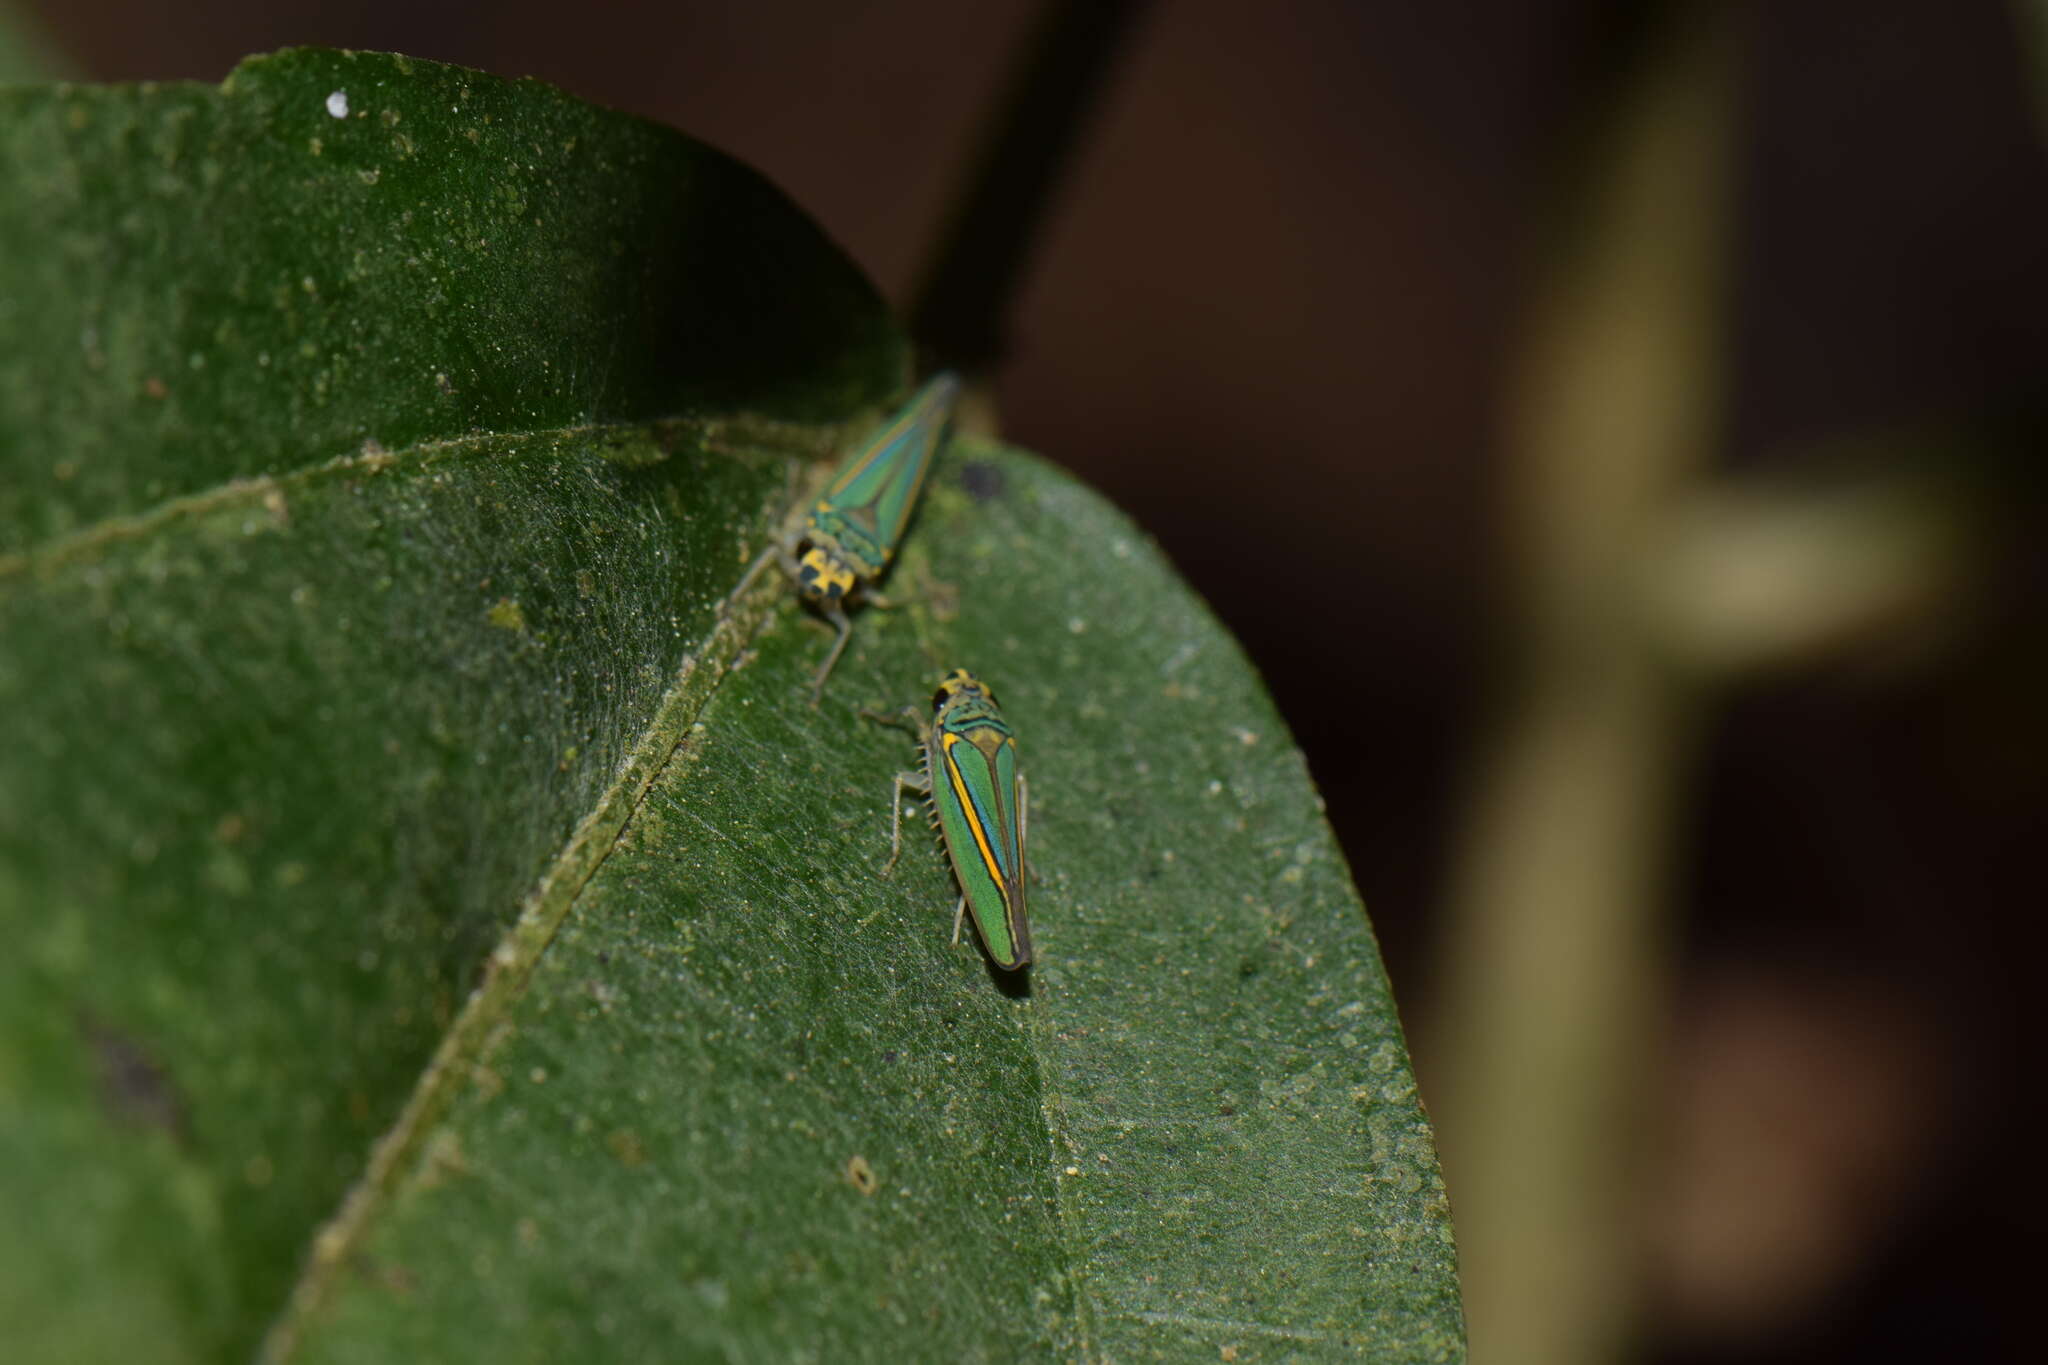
<point x="434" y="932"/>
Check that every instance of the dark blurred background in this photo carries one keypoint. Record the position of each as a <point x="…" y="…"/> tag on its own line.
<point x="1736" y="790"/>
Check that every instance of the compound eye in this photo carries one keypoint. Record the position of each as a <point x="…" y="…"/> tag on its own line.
<point x="957" y="682"/>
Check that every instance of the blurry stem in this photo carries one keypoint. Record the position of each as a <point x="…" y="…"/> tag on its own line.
<point x="1757" y="575"/>
<point x="962" y="307"/>
<point x="1555" y="976"/>
<point x="2031" y="18"/>
<point x="27" y="51"/>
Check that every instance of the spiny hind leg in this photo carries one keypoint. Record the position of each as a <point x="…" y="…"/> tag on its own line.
<point x="781" y="553"/>
<point x="838" y="618"/>
<point x="916" y="782"/>
<point x="909" y="718"/>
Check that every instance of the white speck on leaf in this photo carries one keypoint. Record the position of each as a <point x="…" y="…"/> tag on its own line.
<point x="337" y="104"/>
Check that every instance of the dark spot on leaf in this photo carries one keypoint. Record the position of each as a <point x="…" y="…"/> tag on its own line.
<point x="625" y="1144"/>
<point x="983" y="481"/>
<point x="1226" y="1110"/>
<point x="134" y="1088"/>
<point x="861" y="1175"/>
<point x="398" y="1280"/>
<point x="890" y="1055"/>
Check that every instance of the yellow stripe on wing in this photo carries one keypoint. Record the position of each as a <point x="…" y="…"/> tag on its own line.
<point x="988" y="856"/>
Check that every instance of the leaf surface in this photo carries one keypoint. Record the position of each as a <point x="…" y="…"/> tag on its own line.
<point x="436" y="933"/>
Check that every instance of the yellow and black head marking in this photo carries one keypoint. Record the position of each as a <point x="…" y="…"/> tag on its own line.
<point x="823" y="579"/>
<point x="961" y="683"/>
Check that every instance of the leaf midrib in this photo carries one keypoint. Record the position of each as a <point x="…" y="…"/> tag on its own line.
<point x="663" y="741"/>
<point x="763" y="436"/>
<point x="511" y="962"/>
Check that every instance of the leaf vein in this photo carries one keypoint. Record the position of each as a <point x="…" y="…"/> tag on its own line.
<point x="509" y="965"/>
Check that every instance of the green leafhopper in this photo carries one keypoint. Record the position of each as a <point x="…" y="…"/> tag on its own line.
<point x="851" y="535"/>
<point x="981" y="805"/>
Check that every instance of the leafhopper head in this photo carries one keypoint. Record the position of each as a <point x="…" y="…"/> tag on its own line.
<point x="960" y="683"/>
<point x="823" y="579"/>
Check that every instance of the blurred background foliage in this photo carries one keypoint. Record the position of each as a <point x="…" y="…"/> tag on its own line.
<point x="1641" y="536"/>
